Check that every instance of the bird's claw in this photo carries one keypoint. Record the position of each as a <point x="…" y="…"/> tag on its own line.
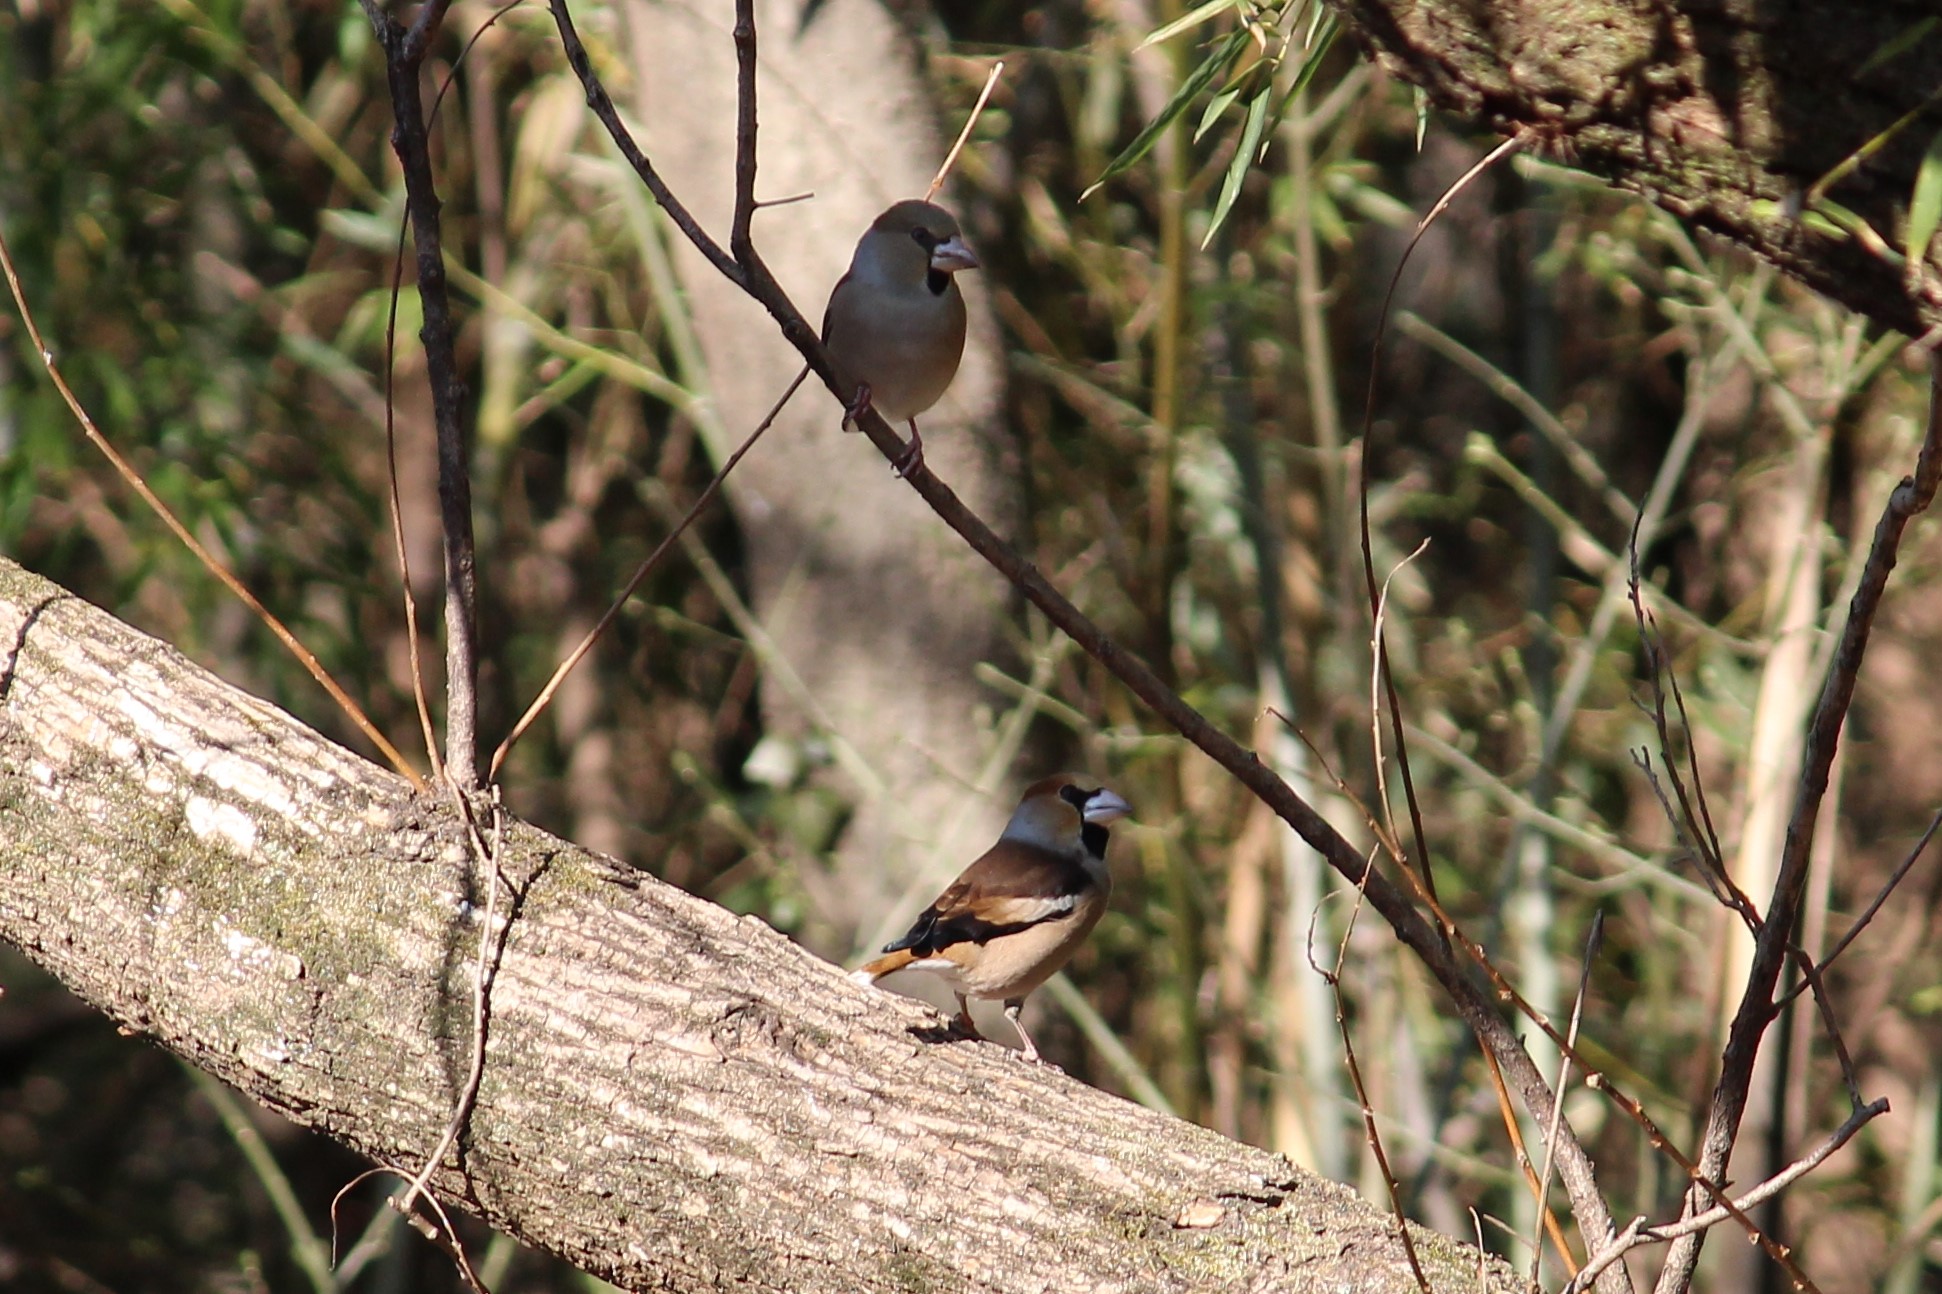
<point x="858" y="406"/>
<point x="912" y="455"/>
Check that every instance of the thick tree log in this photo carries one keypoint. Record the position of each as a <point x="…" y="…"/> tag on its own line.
<point x="1725" y="112"/>
<point x="673" y="1098"/>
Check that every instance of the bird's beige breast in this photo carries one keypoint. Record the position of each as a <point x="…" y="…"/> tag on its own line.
<point x="1011" y="966"/>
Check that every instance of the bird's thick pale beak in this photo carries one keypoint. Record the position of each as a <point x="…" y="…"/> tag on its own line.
<point x="1104" y="806"/>
<point x="952" y="255"/>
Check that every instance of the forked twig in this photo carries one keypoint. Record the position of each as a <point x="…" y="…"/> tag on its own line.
<point x="741" y="243"/>
<point x="1639" y="1232"/>
<point x="1541" y="1099"/>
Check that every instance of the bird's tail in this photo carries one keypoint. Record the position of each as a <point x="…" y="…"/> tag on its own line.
<point x="871" y="972"/>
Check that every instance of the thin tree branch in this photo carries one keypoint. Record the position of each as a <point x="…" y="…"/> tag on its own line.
<point x="1881" y="897"/>
<point x="1639" y="1233"/>
<point x="602" y="105"/>
<point x="1757" y="1008"/>
<point x="740" y="241"/>
<point x="1369" y="1130"/>
<point x="404" y="53"/>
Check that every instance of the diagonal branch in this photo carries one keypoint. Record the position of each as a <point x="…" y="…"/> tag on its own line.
<point x="602" y="105"/>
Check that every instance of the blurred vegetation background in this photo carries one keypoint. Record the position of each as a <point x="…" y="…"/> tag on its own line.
<point x="205" y="208"/>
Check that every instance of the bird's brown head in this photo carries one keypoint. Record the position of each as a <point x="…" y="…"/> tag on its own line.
<point x="922" y="240"/>
<point x="1062" y="812"/>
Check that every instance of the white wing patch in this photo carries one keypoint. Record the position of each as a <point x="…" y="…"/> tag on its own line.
<point x="1023" y="911"/>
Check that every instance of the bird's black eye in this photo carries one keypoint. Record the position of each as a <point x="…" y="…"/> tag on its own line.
<point x="1075" y="797"/>
<point x="923" y="237"/>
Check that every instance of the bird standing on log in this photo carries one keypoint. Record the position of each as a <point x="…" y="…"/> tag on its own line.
<point x="1018" y="913"/>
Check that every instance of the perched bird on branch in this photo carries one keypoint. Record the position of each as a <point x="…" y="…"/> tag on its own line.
<point x="1017" y="914"/>
<point x="895" y="323"/>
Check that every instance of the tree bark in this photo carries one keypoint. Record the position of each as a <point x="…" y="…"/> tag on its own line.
<point x="1724" y="112"/>
<point x="673" y="1097"/>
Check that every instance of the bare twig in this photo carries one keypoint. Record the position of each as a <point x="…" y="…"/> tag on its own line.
<point x="404" y="53"/>
<point x="412" y="645"/>
<point x="1369" y="1131"/>
<point x="1640" y="1233"/>
<point x="1693" y="822"/>
<point x="977" y="109"/>
<point x="1592" y="941"/>
<point x="1507" y="1113"/>
<point x="1381" y="610"/>
<point x="641" y="572"/>
<point x="1442" y="204"/>
<point x="305" y="657"/>
<point x="1757" y="1009"/>
<point x="1695" y="826"/>
<point x="1861" y="922"/>
<point x="739" y="237"/>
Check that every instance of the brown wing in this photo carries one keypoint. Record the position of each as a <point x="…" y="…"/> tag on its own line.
<point x="1013" y="886"/>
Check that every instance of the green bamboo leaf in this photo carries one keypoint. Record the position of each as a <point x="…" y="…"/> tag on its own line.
<point x="1215" y="107"/>
<point x="1831" y="220"/>
<point x="1230" y="188"/>
<point x="1895" y="46"/>
<point x="1319" y="42"/>
<point x="1925" y="207"/>
<point x="1201" y="77"/>
<point x="1199" y="14"/>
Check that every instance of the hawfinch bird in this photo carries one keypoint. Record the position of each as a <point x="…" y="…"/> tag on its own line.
<point x="1017" y="914"/>
<point x="895" y="323"/>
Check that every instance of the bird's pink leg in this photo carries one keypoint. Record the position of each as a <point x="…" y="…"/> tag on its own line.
<point x="912" y="456"/>
<point x="1012" y="1007"/>
<point x="858" y="406"/>
<point x="964" y="1023"/>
